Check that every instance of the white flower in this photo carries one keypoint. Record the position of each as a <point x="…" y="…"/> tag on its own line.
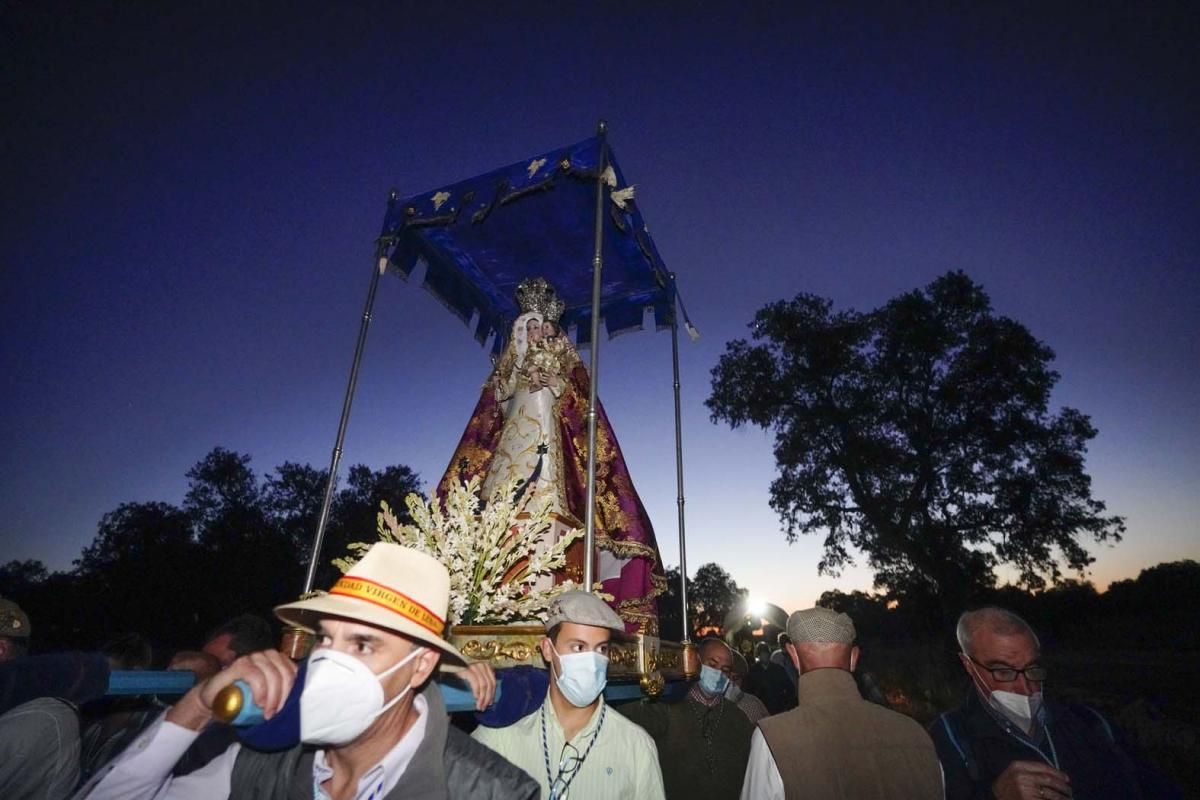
<point x="490" y="554"/>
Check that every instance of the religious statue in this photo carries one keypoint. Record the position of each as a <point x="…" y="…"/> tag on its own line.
<point x="531" y="424"/>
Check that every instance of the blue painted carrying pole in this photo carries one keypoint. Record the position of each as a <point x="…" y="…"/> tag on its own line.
<point x="456" y="698"/>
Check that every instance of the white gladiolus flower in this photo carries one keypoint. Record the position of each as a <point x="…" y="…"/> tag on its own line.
<point x="491" y="555"/>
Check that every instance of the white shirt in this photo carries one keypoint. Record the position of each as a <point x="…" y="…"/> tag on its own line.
<point x="143" y="771"/>
<point x="762" y="781"/>
<point x="622" y="764"/>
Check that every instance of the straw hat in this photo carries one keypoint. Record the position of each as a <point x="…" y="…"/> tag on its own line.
<point x="391" y="587"/>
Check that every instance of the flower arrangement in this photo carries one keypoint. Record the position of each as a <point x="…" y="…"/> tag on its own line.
<point x="493" y="552"/>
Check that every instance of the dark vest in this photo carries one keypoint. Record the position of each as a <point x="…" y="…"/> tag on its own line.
<point x="448" y="763"/>
<point x="976" y="748"/>
<point x="836" y="746"/>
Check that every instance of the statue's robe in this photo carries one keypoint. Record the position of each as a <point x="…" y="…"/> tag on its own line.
<point x="504" y="433"/>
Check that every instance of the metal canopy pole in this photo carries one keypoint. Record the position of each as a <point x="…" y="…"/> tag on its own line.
<point x="589" y="531"/>
<point x="377" y="269"/>
<point x="679" y="500"/>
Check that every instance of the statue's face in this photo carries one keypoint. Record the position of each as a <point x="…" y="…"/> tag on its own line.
<point x="549" y="330"/>
<point x="533" y="331"/>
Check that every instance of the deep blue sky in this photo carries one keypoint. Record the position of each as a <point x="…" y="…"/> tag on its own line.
<point x="191" y="194"/>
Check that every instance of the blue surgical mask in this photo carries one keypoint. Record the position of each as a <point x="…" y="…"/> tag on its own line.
<point x="712" y="681"/>
<point x="583" y="678"/>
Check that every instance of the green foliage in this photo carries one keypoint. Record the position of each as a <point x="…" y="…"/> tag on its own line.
<point x="918" y="434"/>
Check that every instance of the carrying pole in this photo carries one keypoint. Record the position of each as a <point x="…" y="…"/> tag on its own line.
<point x="589" y="531"/>
<point x="679" y="500"/>
<point x="382" y="245"/>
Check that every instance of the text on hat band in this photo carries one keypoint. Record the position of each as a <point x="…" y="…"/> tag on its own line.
<point x="371" y="592"/>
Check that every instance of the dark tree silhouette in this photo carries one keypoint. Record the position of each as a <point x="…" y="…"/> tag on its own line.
<point x="239" y="544"/>
<point x="18" y="577"/>
<point x="712" y="594"/>
<point x="670" y="620"/>
<point x="356" y="509"/>
<point x="292" y="497"/>
<point x="140" y="572"/>
<point x="920" y="435"/>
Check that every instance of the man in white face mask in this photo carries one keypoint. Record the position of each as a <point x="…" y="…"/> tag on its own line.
<point x="1006" y="742"/>
<point x="574" y="745"/>
<point x="370" y="726"/>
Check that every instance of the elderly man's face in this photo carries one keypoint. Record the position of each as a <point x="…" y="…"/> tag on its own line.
<point x="991" y="652"/>
<point x="718" y="657"/>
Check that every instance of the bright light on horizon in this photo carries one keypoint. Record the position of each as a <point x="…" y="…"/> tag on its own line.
<point x="756" y="607"/>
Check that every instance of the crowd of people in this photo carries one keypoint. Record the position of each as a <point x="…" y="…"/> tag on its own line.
<point x="368" y="719"/>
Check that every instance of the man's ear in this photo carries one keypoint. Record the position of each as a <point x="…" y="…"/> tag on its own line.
<point x="792" y="654"/>
<point x="5" y="649"/>
<point x="547" y="650"/>
<point x="854" y="654"/>
<point x="425" y="664"/>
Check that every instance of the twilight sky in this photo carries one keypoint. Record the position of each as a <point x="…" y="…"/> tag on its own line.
<point x="191" y="195"/>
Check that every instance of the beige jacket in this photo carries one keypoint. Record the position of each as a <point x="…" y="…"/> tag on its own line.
<point x="838" y="746"/>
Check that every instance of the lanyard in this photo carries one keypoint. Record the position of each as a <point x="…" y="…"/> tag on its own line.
<point x="558" y="793"/>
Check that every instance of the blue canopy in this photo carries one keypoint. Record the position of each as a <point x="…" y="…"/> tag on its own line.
<point x="481" y="237"/>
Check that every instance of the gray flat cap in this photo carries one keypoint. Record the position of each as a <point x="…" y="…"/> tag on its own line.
<point x="583" y="608"/>
<point x="820" y="625"/>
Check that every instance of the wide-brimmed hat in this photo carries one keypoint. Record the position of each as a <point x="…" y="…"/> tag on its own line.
<point x="392" y="587"/>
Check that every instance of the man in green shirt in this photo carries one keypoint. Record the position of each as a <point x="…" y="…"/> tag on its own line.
<point x="703" y="740"/>
<point x="574" y="743"/>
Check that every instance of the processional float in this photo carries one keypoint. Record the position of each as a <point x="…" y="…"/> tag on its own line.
<point x="570" y="216"/>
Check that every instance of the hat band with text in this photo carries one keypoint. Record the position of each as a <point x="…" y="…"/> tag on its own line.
<point x="371" y="592"/>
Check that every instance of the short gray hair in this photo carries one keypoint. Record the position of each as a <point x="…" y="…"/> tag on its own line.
<point x="999" y="621"/>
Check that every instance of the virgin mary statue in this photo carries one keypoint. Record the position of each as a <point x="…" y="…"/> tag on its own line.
<point x="531" y="424"/>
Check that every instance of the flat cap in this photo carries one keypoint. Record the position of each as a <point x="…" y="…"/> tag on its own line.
<point x="583" y="608"/>
<point x="820" y="625"/>
<point x="14" y="623"/>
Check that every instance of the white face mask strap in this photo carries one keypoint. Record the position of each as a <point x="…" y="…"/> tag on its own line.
<point x="416" y="652"/>
<point x="400" y="695"/>
<point x="556" y="673"/>
<point x="976" y="678"/>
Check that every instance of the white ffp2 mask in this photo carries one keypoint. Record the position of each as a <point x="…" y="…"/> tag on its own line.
<point x="342" y="697"/>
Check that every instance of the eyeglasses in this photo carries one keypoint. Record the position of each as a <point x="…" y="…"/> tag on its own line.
<point x="568" y="765"/>
<point x="1035" y="673"/>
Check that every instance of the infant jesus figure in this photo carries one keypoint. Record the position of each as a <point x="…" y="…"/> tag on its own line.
<point x="550" y="359"/>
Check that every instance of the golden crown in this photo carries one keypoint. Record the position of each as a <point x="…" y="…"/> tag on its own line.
<point x="536" y="295"/>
